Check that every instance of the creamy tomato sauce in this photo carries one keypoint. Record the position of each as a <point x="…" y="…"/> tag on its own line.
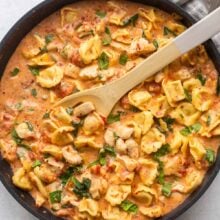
<point x="151" y="152"/>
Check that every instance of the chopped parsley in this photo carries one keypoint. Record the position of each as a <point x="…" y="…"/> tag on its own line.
<point x="165" y="149"/>
<point x="77" y="126"/>
<point x="169" y="121"/>
<point x="34" y="92"/>
<point x="15" y="137"/>
<point x="19" y="106"/>
<point x="69" y="172"/>
<point x="100" y="13"/>
<point x="55" y="197"/>
<point x="69" y="110"/>
<point x="209" y="119"/>
<point x="201" y="78"/>
<point x="34" y="70"/>
<point x="46" y="115"/>
<point x="15" y="71"/>
<point x="107" y="31"/>
<point x="167" y="189"/>
<point x="49" y="38"/>
<point x="107" y="40"/>
<point x="114" y="117"/>
<point x="155" y="43"/>
<point x="107" y="150"/>
<point x="129" y="206"/>
<point x="167" y="31"/>
<point x="210" y="156"/>
<point x="132" y="20"/>
<point x="123" y="59"/>
<point x="29" y="125"/>
<point x="36" y="163"/>
<point x="103" y="61"/>
<point x="86" y="34"/>
<point x="191" y="129"/>
<point x="188" y="96"/>
<point x="81" y="189"/>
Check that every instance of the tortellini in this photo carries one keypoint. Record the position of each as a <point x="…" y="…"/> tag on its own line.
<point x="60" y="116"/>
<point x="90" y="206"/>
<point x="185" y="114"/>
<point x="122" y="36"/>
<point x="82" y="141"/>
<point x="62" y="136"/>
<point x="174" y="91"/>
<point x="68" y="15"/>
<point x="42" y="60"/>
<point x="148" y="171"/>
<point x="152" y="212"/>
<point x="90" y="50"/>
<point x="71" y="155"/>
<point x="178" y="142"/>
<point x="144" y="120"/>
<point x="152" y="141"/>
<point x="145" y="194"/>
<point x="114" y="213"/>
<point x="196" y="149"/>
<point x="139" y="98"/>
<point x="21" y="180"/>
<point x="50" y="77"/>
<point x="117" y="193"/>
<point x="201" y="99"/>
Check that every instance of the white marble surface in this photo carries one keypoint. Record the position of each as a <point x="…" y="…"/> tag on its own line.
<point x="208" y="207"/>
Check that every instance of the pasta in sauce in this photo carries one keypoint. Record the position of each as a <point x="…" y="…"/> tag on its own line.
<point x="149" y="154"/>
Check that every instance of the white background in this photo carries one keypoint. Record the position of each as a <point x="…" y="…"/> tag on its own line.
<point x="207" y="208"/>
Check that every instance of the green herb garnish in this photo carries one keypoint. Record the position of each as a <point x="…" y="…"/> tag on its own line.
<point x="49" y="38"/>
<point x="169" y="121"/>
<point x="106" y="41"/>
<point x="129" y="206"/>
<point x="113" y="118"/>
<point x="19" y="106"/>
<point x="191" y="129"/>
<point x="209" y="119"/>
<point x="103" y="61"/>
<point x="55" y="197"/>
<point x="29" y="125"/>
<point x="188" y="95"/>
<point x="36" y="163"/>
<point x="167" y="189"/>
<point x="132" y="20"/>
<point x="77" y="126"/>
<point x="210" y="156"/>
<point x="155" y="43"/>
<point x="167" y="31"/>
<point x="165" y="149"/>
<point x="69" y="172"/>
<point x="15" y="137"/>
<point x="101" y="14"/>
<point x="81" y="189"/>
<point x="15" y="71"/>
<point x="123" y="59"/>
<point x="107" y="150"/>
<point x="69" y="110"/>
<point x="201" y="78"/>
<point x="46" y="115"/>
<point x="34" y="92"/>
<point x="34" y="70"/>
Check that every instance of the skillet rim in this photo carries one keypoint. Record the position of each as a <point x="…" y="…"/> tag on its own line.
<point x="8" y="46"/>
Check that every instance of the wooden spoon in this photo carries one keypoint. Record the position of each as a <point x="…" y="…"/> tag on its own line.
<point x="105" y="97"/>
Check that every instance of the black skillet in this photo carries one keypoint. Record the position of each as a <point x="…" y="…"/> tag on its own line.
<point x="8" y="46"/>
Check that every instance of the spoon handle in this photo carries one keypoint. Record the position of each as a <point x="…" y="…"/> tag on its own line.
<point x="195" y="35"/>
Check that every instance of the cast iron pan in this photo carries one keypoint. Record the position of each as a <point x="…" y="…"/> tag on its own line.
<point x="8" y="46"/>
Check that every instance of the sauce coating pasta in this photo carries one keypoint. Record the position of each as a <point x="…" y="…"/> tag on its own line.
<point x="152" y="151"/>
